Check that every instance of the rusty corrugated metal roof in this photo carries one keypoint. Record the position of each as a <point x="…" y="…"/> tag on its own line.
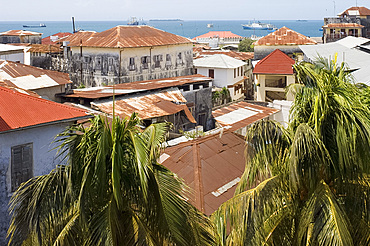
<point x="127" y="88"/>
<point x="150" y="105"/>
<point x="42" y="48"/>
<point x="361" y="11"/>
<point x="18" y="110"/>
<point x="127" y="37"/>
<point x="19" y="33"/>
<point x="284" y="36"/>
<point x="13" y="87"/>
<point x="339" y="25"/>
<point x="243" y="56"/>
<point x="53" y="39"/>
<point x="211" y="166"/>
<point x="241" y="114"/>
<point x="29" y="77"/>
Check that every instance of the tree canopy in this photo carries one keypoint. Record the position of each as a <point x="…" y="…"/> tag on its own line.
<point x="246" y="45"/>
<point x="308" y="184"/>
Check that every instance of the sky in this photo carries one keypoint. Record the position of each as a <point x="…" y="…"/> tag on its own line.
<point x="99" y="10"/>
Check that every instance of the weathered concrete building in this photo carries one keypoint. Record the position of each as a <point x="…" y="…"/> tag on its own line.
<point x="126" y="54"/>
<point x="28" y="126"/>
<point x="283" y="39"/>
<point x="20" y="36"/>
<point x="15" y="53"/>
<point x="45" y="83"/>
<point x="354" y="21"/>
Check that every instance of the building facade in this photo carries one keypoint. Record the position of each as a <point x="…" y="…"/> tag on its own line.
<point x="126" y="54"/>
<point x="20" y="36"/>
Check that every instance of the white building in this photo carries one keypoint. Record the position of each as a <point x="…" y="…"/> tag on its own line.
<point x="215" y="39"/>
<point x="226" y="71"/>
<point x="28" y="126"/>
<point x="127" y="53"/>
<point x="15" y="53"/>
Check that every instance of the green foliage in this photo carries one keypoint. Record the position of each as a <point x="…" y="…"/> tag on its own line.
<point x="246" y="45"/>
<point x="112" y="192"/>
<point x="308" y="184"/>
<point x="81" y="86"/>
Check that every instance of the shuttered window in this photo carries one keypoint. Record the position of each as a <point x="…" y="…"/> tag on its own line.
<point x="22" y="162"/>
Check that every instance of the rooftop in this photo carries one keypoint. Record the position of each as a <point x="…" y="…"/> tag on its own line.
<point x="241" y="114"/>
<point x="8" y="47"/>
<point x="18" y="110"/>
<point x="277" y="62"/>
<point x="344" y="25"/>
<point x="29" y="77"/>
<point x="284" y="36"/>
<point x="356" y="11"/>
<point x="218" y="61"/>
<point x="218" y="34"/>
<point x="53" y="39"/>
<point x="150" y="105"/>
<point x="211" y="166"/>
<point x="243" y="56"/>
<point x="133" y="87"/>
<point x="126" y="37"/>
<point x="19" y="33"/>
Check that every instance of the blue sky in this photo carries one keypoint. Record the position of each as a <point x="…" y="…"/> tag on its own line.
<point x="48" y="10"/>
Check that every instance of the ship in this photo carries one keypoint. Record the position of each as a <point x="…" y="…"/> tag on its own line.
<point x="34" y="26"/>
<point x="209" y="25"/>
<point x="259" y="26"/>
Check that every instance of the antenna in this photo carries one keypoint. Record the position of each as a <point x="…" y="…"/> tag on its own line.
<point x="334" y="8"/>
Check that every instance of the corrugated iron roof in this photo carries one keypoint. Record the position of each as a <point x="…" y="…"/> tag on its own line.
<point x="284" y="36"/>
<point x="243" y="56"/>
<point x="19" y="33"/>
<point x="277" y="62"/>
<point x="211" y="166"/>
<point x="17" y="89"/>
<point x="127" y="88"/>
<point x="127" y="37"/>
<point x="53" y="39"/>
<point x="241" y="114"/>
<point x="361" y="11"/>
<point x="339" y="25"/>
<point x="218" y="34"/>
<point x="42" y="48"/>
<point x="151" y="105"/>
<point x="29" y="77"/>
<point x="18" y="110"/>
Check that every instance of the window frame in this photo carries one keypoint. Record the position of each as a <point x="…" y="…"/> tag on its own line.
<point x="14" y="169"/>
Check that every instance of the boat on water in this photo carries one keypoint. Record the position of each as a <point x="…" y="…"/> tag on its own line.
<point x="34" y="26"/>
<point x="209" y="25"/>
<point x="135" y="22"/>
<point x="259" y="26"/>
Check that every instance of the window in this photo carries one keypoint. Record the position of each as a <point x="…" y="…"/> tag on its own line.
<point x="157" y="60"/>
<point x="179" y="58"/>
<point x="202" y="119"/>
<point x="238" y="71"/>
<point x="168" y="60"/>
<point x="131" y="65"/>
<point x="145" y="60"/>
<point x="211" y="73"/>
<point x="98" y="62"/>
<point x="22" y="162"/>
<point x="195" y="71"/>
<point x="241" y="71"/>
<point x="234" y="73"/>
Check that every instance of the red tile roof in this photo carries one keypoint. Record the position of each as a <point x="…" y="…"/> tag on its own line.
<point x="339" y="25"/>
<point x="19" y="33"/>
<point x="18" y="110"/>
<point x="361" y="10"/>
<point x="253" y="112"/>
<point x="284" y="36"/>
<point x="211" y="166"/>
<point x="276" y="62"/>
<point x="57" y="36"/>
<point x="218" y="34"/>
<point x="127" y="37"/>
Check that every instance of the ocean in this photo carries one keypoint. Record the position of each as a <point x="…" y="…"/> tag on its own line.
<point x="187" y="28"/>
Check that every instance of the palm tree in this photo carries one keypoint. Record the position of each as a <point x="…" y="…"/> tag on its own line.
<point x="307" y="184"/>
<point x="112" y="192"/>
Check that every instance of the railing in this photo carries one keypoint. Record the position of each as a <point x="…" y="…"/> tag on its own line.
<point x="340" y="35"/>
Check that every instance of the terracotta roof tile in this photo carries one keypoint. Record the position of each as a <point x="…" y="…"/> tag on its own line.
<point x="19" y="33"/>
<point x="218" y="34"/>
<point x="284" y="36"/>
<point x="127" y="37"/>
<point x="19" y="110"/>
<point x="276" y="62"/>
<point x="211" y="166"/>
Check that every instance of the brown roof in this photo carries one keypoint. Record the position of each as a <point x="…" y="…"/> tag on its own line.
<point x="127" y="88"/>
<point x="211" y="166"/>
<point x="361" y="10"/>
<point x="30" y="77"/>
<point x="247" y="114"/>
<point x="339" y="25"/>
<point x="19" y="33"/>
<point x="218" y="34"/>
<point x="128" y="37"/>
<point x="277" y="62"/>
<point x="243" y="56"/>
<point x="53" y="39"/>
<point x="42" y="48"/>
<point x="13" y="87"/>
<point x="284" y="36"/>
<point x="77" y="38"/>
<point x="152" y="105"/>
